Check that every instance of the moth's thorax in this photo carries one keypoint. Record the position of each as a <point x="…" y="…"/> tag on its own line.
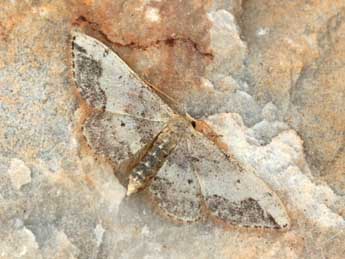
<point x="178" y="124"/>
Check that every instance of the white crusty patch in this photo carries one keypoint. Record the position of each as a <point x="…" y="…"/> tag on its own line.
<point x="19" y="173"/>
<point x="99" y="231"/>
<point x="21" y="243"/>
<point x="281" y="164"/>
<point x="60" y="246"/>
<point x="262" y="31"/>
<point x="152" y="14"/>
<point x="111" y="191"/>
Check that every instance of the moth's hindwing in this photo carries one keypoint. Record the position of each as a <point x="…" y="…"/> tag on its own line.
<point x="198" y="173"/>
<point x="176" y="188"/>
<point x="119" y="137"/>
<point x="233" y="194"/>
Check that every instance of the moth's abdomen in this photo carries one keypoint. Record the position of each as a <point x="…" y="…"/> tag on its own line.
<point x="149" y="166"/>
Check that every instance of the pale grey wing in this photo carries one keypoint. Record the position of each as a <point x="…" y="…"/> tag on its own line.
<point x="232" y="194"/>
<point x="175" y="189"/>
<point x="127" y="115"/>
<point x="107" y="83"/>
<point x="120" y="138"/>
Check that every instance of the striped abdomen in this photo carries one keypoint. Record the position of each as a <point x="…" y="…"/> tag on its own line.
<point x="149" y="166"/>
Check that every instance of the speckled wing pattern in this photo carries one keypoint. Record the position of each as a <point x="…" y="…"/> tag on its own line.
<point x="231" y="193"/>
<point x="195" y="178"/>
<point x="176" y="188"/>
<point x="127" y="115"/>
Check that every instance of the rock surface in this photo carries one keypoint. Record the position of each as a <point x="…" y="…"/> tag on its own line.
<point x="268" y="77"/>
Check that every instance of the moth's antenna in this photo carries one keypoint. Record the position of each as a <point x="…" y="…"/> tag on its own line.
<point x="160" y="92"/>
<point x="164" y="95"/>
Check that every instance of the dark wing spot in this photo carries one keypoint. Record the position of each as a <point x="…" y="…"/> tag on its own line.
<point x="105" y="53"/>
<point x="87" y="73"/>
<point x="247" y="212"/>
<point x="78" y="48"/>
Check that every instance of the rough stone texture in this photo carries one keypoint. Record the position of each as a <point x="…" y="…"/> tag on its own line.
<point x="268" y="75"/>
<point x="19" y="173"/>
<point x="296" y="62"/>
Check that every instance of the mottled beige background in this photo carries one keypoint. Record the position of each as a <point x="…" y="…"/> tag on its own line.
<point x="268" y="75"/>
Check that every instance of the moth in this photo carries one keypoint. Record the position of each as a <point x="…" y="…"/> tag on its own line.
<point x="155" y="150"/>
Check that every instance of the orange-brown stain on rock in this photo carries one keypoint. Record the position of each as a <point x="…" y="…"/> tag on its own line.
<point x="90" y="182"/>
<point x="209" y="132"/>
<point x="166" y="42"/>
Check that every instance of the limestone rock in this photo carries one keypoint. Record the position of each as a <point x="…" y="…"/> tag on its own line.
<point x="20" y="174"/>
<point x="268" y="77"/>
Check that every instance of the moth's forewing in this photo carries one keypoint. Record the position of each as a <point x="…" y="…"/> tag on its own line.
<point x="132" y="116"/>
<point x="176" y="188"/>
<point x="106" y="82"/>
<point x="233" y="194"/>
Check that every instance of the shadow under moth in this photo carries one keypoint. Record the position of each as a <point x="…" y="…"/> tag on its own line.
<point x="159" y="151"/>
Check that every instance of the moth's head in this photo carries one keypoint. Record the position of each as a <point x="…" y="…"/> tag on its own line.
<point x="191" y="120"/>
